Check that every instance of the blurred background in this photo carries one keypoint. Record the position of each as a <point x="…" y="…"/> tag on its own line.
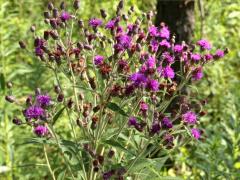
<point x="217" y="157"/>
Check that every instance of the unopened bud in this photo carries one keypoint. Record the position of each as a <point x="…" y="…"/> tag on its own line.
<point x="125" y="17"/>
<point x="62" y="5"/>
<point x="111" y="153"/>
<point x="120" y="5"/>
<point x="33" y="28"/>
<point x="22" y="45"/>
<point x="17" y="121"/>
<point x="70" y="103"/>
<point x="88" y="47"/>
<point x="9" y="85"/>
<point x="57" y="89"/>
<point x="10" y="99"/>
<point x="46" y="35"/>
<point x="103" y="13"/>
<point x="76" y="4"/>
<point x="53" y="23"/>
<point x="80" y="23"/>
<point x="55" y="13"/>
<point x="54" y="35"/>
<point x="226" y="51"/>
<point x="60" y="97"/>
<point x="50" y="6"/>
<point x="46" y="14"/>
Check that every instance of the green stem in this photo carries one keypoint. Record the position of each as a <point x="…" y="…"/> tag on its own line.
<point x="48" y="164"/>
<point x="59" y="146"/>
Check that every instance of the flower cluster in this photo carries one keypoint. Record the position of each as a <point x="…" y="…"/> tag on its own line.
<point x="133" y="74"/>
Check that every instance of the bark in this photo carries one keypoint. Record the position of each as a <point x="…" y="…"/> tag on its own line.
<point x="179" y="16"/>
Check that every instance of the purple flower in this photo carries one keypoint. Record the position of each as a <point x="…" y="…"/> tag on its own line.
<point x="132" y="121"/>
<point x="41" y="130"/>
<point x="43" y="100"/>
<point x="124" y="40"/>
<point x="167" y="123"/>
<point x="98" y="60"/>
<point x="34" y="112"/>
<point x="197" y="74"/>
<point x="110" y="24"/>
<point x="151" y="62"/>
<point x="189" y="117"/>
<point x="178" y="48"/>
<point x="196" y="133"/>
<point x="95" y="22"/>
<point x="154" y="45"/>
<point x="39" y="42"/>
<point x="130" y="27"/>
<point x="165" y="44"/>
<point x="39" y="51"/>
<point x="153" y="31"/>
<point x="195" y="57"/>
<point x="143" y="106"/>
<point x="119" y="29"/>
<point x="219" y="54"/>
<point x="208" y="57"/>
<point x="168" y="57"/>
<point x="65" y="16"/>
<point x="204" y="44"/>
<point x="138" y="78"/>
<point x="168" y="72"/>
<point x="164" y="32"/>
<point x="152" y="85"/>
<point x="155" y="128"/>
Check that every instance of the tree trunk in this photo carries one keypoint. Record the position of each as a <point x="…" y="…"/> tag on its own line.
<point x="179" y="16"/>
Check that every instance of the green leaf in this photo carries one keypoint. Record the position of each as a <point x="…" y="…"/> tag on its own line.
<point x="57" y="115"/>
<point x="61" y="175"/>
<point x="114" y="107"/>
<point x="117" y="145"/>
<point x="146" y="164"/>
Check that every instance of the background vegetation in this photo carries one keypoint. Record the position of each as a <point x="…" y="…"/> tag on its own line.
<point x="218" y="157"/>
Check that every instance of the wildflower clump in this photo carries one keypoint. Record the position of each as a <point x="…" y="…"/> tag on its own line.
<point x="126" y="98"/>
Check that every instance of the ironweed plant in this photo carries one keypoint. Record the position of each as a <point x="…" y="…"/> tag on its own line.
<point x="127" y="103"/>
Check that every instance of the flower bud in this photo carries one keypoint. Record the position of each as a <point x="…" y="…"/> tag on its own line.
<point x="87" y="47"/>
<point x="80" y="23"/>
<point x="100" y="159"/>
<point x="33" y="28"/>
<point x="54" y="35"/>
<point x="10" y="99"/>
<point x="62" y="6"/>
<point x="120" y="5"/>
<point x="111" y="153"/>
<point x="53" y="23"/>
<point x="103" y="13"/>
<point x="95" y="162"/>
<point x="92" y="83"/>
<point x="17" y="121"/>
<point x="125" y="17"/>
<point x="46" y="35"/>
<point x="46" y="14"/>
<point x="60" y="97"/>
<point x="9" y="85"/>
<point x="22" y="45"/>
<point x="70" y="103"/>
<point x="76" y="4"/>
<point x="57" y="89"/>
<point x="55" y="13"/>
<point x="50" y="6"/>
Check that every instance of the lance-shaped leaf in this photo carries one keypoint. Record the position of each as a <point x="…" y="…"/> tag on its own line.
<point x="114" y="107"/>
